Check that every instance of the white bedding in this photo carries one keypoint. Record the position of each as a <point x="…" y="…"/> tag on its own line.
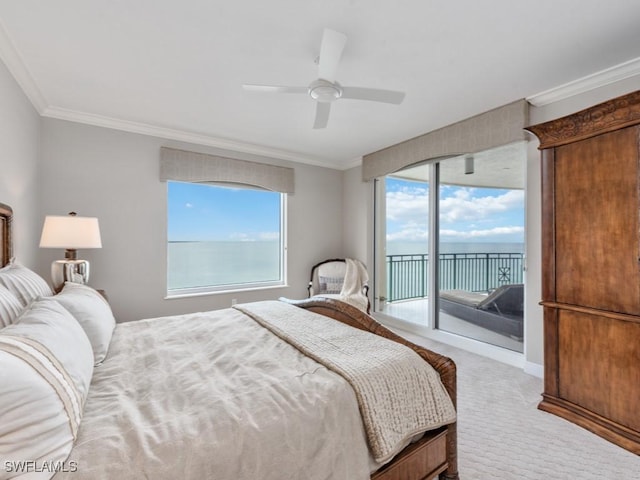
<point x="182" y="397"/>
<point x="399" y="394"/>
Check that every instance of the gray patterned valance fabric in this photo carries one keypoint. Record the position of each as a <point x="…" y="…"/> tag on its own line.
<point x="181" y="165"/>
<point x="501" y="126"/>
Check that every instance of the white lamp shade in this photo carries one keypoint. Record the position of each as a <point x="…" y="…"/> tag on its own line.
<point x="70" y="232"/>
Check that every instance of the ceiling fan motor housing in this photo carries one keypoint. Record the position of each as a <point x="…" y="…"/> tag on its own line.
<point x="325" y="91"/>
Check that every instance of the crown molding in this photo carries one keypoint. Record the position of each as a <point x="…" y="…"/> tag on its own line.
<point x="17" y="67"/>
<point x="584" y="84"/>
<point x="184" y="136"/>
<point x="354" y="162"/>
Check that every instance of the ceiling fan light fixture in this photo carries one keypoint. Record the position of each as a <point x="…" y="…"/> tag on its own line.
<point x="324" y="91"/>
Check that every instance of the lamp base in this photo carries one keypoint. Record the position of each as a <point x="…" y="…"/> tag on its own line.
<point x="76" y="271"/>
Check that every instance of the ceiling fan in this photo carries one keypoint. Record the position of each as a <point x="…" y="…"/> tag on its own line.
<point x="326" y="89"/>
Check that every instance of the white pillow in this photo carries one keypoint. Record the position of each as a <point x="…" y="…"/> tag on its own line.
<point x="46" y="364"/>
<point x="10" y="307"/>
<point x="93" y="313"/>
<point x="25" y="284"/>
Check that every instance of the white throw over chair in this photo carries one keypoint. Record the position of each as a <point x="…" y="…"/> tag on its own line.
<point x="345" y="279"/>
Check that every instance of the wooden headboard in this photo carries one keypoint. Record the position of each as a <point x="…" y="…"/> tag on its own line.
<point x="6" y="239"/>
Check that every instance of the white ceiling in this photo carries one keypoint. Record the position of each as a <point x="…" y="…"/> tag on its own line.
<point x="175" y="68"/>
<point x="500" y="167"/>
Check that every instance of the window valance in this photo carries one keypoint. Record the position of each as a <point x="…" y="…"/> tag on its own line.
<point x="501" y="126"/>
<point x="181" y="165"/>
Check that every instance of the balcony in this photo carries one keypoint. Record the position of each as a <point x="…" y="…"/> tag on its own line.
<point x="475" y="272"/>
<point x="481" y="273"/>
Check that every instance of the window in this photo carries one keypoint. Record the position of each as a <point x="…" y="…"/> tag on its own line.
<point x="223" y="238"/>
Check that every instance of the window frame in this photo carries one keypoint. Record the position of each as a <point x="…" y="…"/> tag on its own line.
<point x="234" y="287"/>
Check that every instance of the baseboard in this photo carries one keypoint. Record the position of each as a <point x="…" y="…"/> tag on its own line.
<point x="534" y="369"/>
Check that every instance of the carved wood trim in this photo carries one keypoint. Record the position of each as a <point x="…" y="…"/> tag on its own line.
<point x="6" y="235"/>
<point x="623" y="317"/>
<point x="612" y="431"/>
<point x="551" y="357"/>
<point x="612" y="115"/>
<point x="548" y="233"/>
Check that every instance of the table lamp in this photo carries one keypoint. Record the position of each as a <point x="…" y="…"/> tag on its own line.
<point x="70" y="232"/>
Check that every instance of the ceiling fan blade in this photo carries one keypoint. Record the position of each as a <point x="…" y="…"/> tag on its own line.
<point x="322" y="114"/>
<point x="275" y="89"/>
<point x="373" y="94"/>
<point x="330" y="52"/>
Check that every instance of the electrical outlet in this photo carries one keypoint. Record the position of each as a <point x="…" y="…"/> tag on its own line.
<point x="234" y="301"/>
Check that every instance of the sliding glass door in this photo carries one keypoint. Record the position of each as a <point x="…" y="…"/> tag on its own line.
<point x="467" y="213"/>
<point x="481" y="247"/>
<point x="402" y="265"/>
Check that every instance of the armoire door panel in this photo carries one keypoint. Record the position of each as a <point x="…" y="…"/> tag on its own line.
<point x="596" y="222"/>
<point x="599" y="365"/>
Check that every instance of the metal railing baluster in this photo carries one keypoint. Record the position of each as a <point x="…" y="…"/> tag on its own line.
<point x="407" y="275"/>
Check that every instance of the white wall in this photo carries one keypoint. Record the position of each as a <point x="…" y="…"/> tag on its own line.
<point x="357" y="221"/>
<point x="533" y="331"/>
<point x="113" y="175"/>
<point x="19" y="181"/>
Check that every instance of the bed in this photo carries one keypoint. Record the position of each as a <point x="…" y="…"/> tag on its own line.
<point x="240" y="393"/>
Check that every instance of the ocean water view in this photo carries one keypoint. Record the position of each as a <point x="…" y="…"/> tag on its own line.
<point x="202" y="264"/>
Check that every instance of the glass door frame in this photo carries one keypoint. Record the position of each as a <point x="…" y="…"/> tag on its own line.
<point x="430" y="325"/>
<point x="380" y="287"/>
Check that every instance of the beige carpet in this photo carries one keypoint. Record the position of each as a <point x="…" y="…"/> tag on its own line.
<point x="502" y="435"/>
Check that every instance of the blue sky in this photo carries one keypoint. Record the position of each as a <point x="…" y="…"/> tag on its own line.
<point x="466" y="214"/>
<point x="203" y="213"/>
<point x="200" y="212"/>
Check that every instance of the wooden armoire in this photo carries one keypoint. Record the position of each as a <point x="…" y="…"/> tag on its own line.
<point x="591" y="268"/>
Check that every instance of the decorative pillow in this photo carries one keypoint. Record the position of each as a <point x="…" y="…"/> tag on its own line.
<point x="93" y="313"/>
<point x="330" y="284"/>
<point x="10" y="307"/>
<point x="46" y="365"/>
<point x="25" y="284"/>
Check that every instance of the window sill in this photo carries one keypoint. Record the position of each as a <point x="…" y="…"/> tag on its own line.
<point x="172" y="296"/>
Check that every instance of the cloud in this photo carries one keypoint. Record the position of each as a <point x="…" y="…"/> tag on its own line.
<point x="408" y="204"/>
<point x="253" y="237"/>
<point x="409" y="233"/>
<point x="188" y="205"/>
<point x="240" y="237"/>
<point x="463" y="206"/>
<point x="465" y="213"/>
<point x="490" y="232"/>
<point x="269" y="236"/>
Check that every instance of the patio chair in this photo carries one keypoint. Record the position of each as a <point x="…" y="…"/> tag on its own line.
<point x="501" y="311"/>
<point x="343" y="279"/>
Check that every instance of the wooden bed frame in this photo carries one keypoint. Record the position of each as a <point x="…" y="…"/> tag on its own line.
<point x="6" y="249"/>
<point x="434" y="454"/>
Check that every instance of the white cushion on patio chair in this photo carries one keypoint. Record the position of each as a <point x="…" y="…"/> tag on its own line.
<point x="343" y="279"/>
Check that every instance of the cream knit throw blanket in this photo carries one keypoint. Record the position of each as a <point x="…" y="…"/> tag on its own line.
<point x="399" y="394"/>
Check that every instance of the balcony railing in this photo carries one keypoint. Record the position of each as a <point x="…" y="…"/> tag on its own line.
<point x="477" y="272"/>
